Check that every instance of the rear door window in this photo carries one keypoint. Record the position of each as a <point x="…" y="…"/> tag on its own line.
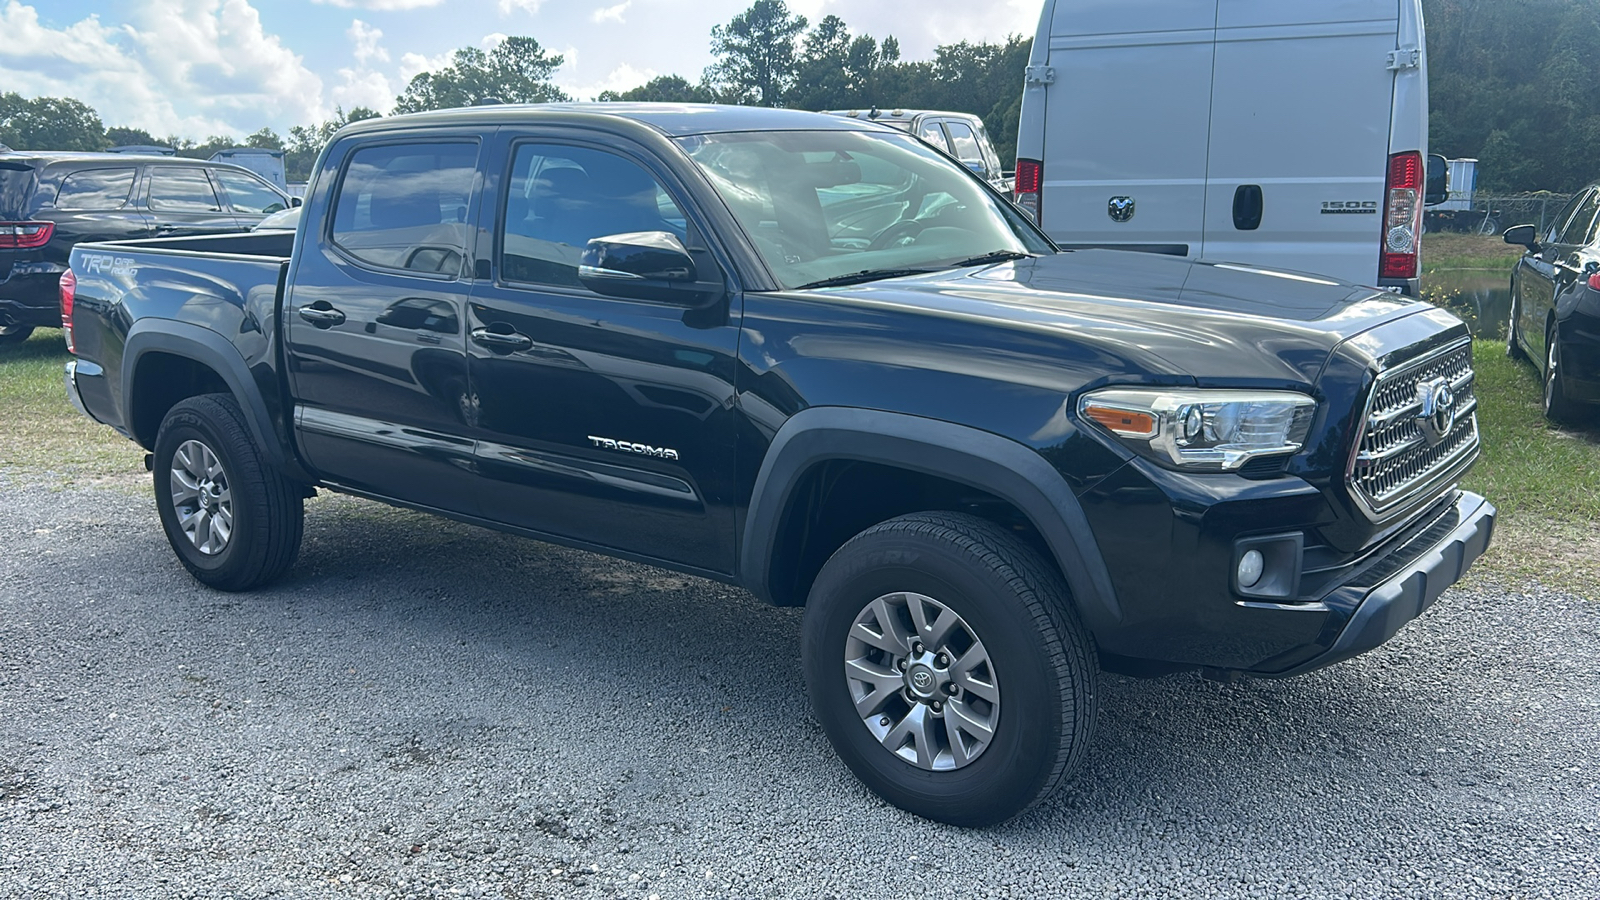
<point x="248" y="195"/>
<point x="182" y="190"/>
<point x="404" y="206"/>
<point x="934" y="134"/>
<point x="96" y="189"/>
<point x="964" y="141"/>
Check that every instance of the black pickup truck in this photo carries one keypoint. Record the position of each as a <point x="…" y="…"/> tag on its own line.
<point x="823" y="361"/>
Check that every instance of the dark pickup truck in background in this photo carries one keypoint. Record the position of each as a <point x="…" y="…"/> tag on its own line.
<point x="821" y="360"/>
<point x="49" y="202"/>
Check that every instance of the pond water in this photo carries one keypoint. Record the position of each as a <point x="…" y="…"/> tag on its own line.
<point x="1479" y="298"/>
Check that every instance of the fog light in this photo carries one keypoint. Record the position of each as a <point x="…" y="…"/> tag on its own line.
<point x="1251" y="565"/>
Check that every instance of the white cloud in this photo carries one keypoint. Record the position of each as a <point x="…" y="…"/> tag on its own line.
<point x="531" y="7"/>
<point x="108" y="69"/>
<point x="380" y="5"/>
<point x="216" y="54"/>
<point x="366" y="38"/>
<point x="610" y="13"/>
<point x="622" y="78"/>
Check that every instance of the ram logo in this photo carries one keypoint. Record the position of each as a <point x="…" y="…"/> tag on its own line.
<point x="1120" y="209"/>
<point x="630" y="447"/>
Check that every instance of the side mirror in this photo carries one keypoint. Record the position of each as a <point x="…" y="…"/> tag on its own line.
<point x="645" y="265"/>
<point x="1522" y="235"/>
<point x="977" y="166"/>
<point x="295" y="201"/>
<point x="1436" y="189"/>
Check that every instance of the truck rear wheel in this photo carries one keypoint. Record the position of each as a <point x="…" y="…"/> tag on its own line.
<point x="14" y="334"/>
<point x="948" y="668"/>
<point x="234" y="522"/>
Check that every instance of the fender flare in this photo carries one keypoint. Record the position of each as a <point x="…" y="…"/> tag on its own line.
<point x="1011" y="471"/>
<point x="212" y="350"/>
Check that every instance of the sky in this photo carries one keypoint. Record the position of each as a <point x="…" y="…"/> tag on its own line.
<point x="195" y="68"/>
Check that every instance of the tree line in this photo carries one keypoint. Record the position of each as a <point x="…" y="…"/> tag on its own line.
<point x="1510" y="84"/>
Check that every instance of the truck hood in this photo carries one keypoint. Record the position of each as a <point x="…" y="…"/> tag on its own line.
<point x="1210" y="322"/>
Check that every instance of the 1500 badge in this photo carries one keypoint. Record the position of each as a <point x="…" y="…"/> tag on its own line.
<point x="1350" y="208"/>
<point x="630" y="447"/>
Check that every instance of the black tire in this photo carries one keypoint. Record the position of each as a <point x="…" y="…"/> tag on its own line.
<point x="267" y="512"/>
<point x="1043" y="663"/>
<point x="1557" y="408"/>
<point x="14" y="334"/>
<point x="1513" y="337"/>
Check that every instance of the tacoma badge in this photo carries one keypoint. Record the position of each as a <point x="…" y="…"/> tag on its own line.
<point x="630" y="447"/>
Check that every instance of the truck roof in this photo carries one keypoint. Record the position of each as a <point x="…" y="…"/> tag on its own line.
<point x="675" y="119"/>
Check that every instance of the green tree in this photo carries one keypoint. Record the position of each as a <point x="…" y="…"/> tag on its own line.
<point x="756" y="54"/>
<point x="49" y="123"/>
<point x="266" y="139"/>
<point x="663" y="89"/>
<point x="1510" y="83"/>
<point x="122" y="136"/>
<point x="306" y="141"/>
<point x="518" y="70"/>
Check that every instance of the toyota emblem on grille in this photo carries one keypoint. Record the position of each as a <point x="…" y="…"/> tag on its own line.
<point x="1438" y="414"/>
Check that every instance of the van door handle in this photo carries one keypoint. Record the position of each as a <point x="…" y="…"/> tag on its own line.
<point x="322" y="315"/>
<point x="503" y="343"/>
<point x="1248" y="204"/>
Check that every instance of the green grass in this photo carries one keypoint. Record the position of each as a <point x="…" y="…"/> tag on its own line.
<point x="1442" y="251"/>
<point x="1544" y="479"/>
<point x="43" y="435"/>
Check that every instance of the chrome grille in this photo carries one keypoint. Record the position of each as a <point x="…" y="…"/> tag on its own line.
<point x="1393" y="461"/>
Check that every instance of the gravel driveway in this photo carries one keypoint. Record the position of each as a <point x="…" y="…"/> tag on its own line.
<point x="427" y="709"/>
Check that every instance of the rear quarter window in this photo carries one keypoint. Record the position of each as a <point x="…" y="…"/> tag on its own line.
<point x="16" y="189"/>
<point x="95" y="189"/>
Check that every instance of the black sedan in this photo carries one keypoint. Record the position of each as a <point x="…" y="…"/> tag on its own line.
<point x="1555" y="305"/>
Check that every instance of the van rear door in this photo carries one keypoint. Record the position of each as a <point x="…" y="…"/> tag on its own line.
<point x="1128" y="118"/>
<point x="1301" y="106"/>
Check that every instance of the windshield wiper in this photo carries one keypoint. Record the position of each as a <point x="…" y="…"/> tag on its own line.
<point x="862" y="276"/>
<point x="998" y="256"/>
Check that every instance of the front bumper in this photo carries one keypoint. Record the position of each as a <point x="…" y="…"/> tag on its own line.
<point x="1438" y="557"/>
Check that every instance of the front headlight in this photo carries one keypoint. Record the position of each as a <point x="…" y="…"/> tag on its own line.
<point x="1202" y="429"/>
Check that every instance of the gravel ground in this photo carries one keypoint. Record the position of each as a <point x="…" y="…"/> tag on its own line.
<point x="427" y="709"/>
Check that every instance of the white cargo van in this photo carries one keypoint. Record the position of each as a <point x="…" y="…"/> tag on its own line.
<point x="1280" y="133"/>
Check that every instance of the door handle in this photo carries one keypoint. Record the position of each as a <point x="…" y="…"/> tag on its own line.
<point x="166" y="229"/>
<point x="322" y="316"/>
<point x="504" y="343"/>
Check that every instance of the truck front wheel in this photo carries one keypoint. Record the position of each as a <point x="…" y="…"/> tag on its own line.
<point x="948" y="668"/>
<point x="234" y="522"/>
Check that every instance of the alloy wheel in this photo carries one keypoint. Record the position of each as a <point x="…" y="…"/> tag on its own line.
<point x="201" y="497"/>
<point x="921" y="681"/>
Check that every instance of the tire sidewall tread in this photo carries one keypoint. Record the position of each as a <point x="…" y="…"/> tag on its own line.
<point x="1044" y="661"/>
<point x="268" y="510"/>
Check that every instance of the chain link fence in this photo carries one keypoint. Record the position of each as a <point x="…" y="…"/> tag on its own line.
<point x="1493" y="215"/>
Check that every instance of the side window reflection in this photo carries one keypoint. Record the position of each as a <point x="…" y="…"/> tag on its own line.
<point x="558" y="198"/>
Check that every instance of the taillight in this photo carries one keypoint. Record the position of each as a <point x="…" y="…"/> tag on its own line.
<point x="69" y="290"/>
<point x="1594" y="282"/>
<point x="1030" y="187"/>
<point x="23" y="235"/>
<point x="1402" y="223"/>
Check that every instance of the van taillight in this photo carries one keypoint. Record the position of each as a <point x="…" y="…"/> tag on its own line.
<point x="25" y="235"/>
<point x="1402" y="223"/>
<point x="1030" y="187"/>
<point x="69" y="290"/>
